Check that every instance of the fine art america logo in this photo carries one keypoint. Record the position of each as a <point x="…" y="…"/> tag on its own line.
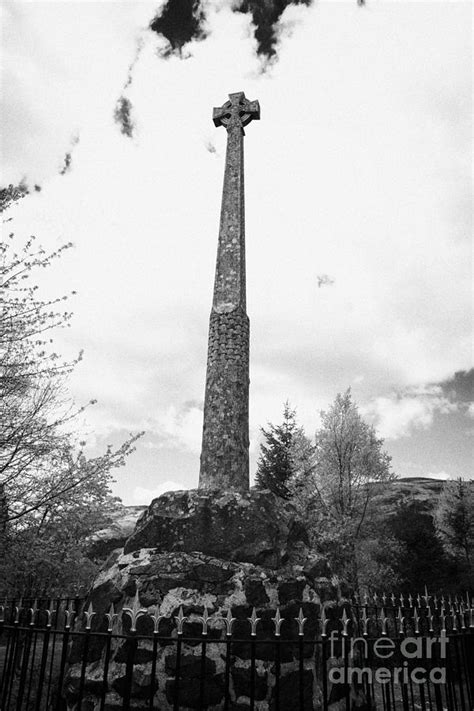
<point x="399" y="663"/>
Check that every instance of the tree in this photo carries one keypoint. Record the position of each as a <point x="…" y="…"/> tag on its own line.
<point x="337" y="496"/>
<point x="285" y="451"/>
<point x="44" y="472"/>
<point x="422" y="559"/>
<point x="454" y="519"/>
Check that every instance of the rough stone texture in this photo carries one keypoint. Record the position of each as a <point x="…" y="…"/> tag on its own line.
<point x="254" y="527"/>
<point x="168" y="581"/>
<point x="225" y="440"/>
<point x="101" y="543"/>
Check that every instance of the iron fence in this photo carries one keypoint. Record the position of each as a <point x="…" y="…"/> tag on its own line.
<point x="385" y="653"/>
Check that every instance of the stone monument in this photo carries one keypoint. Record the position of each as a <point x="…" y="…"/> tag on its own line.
<point x="221" y="550"/>
<point x="223" y="517"/>
<point x="225" y="439"/>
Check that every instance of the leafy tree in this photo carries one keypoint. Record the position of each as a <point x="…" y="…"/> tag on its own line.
<point x="45" y="476"/>
<point x="285" y="451"/>
<point x="337" y="496"/>
<point x="454" y="519"/>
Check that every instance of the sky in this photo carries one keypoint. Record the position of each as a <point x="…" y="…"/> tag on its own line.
<point x="358" y="215"/>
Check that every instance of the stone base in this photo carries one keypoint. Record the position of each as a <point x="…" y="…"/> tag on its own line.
<point x="254" y="527"/>
<point x="252" y="554"/>
<point x="161" y="583"/>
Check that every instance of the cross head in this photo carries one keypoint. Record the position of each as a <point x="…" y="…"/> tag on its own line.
<point x="237" y="112"/>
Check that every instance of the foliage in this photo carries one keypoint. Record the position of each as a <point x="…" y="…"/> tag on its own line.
<point x="285" y="452"/>
<point x="423" y="560"/>
<point x="454" y="522"/>
<point x="51" y="494"/>
<point x="336" y="498"/>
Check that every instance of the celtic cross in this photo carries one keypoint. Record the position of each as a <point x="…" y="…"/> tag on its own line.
<point x="237" y="112"/>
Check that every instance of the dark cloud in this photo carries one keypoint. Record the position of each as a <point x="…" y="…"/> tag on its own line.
<point x="180" y="22"/>
<point x="123" y="116"/>
<point x="66" y="164"/>
<point x="132" y="64"/>
<point x="460" y="388"/>
<point x="265" y="17"/>
<point x="67" y="160"/>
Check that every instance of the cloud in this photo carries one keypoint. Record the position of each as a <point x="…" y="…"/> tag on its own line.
<point x="460" y="387"/>
<point x="123" y="116"/>
<point x="266" y="18"/>
<point x="179" y="22"/>
<point x="180" y="427"/>
<point x="400" y="414"/>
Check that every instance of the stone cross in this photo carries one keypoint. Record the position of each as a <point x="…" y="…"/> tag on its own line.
<point x="225" y="438"/>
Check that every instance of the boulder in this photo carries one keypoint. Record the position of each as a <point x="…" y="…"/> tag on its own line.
<point x="253" y="527"/>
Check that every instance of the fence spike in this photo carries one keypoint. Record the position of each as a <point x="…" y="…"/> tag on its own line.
<point x="111" y="616"/>
<point x="277" y="621"/>
<point x="442" y="618"/>
<point x="156" y="621"/>
<point x="345" y="622"/>
<point x="410" y="600"/>
<point x="365" y="621"/>
<point x="229" y="621"/>
<point x="366" y="599"/>
<point x="254" y="620"/>
<point x="401" y="619"/>
<point x="416" y="619"/>
<point x="384" y="599"/>
<point x="70" y="613"/>
<point x="135" y="611"/>
<point x="455" y="618"/>
<point x="204" y="619"/>
<point x="393" y="599"/>
<point x="33" y="610"/>
<point x="180" y="620"/>
<point x="89" y="614"/>
<point x="426" y="597"/>
<point x="301" y="619"/>
<point x="383" y="620"/>
<point x="324" y="621"/>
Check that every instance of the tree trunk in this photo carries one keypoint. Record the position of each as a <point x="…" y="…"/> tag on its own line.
<point x="3" y="522"/>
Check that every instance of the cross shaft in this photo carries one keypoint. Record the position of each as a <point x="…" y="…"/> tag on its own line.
<point x="225" y="439"/>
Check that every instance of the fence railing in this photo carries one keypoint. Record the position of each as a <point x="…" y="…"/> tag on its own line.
<point x="385" y="653"/>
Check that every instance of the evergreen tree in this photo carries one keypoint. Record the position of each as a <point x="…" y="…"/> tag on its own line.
<point x="454" y="519"/>
<point x="285" y="451"/>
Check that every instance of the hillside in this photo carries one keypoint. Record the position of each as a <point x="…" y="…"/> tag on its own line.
<point x="420" y="489"/>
